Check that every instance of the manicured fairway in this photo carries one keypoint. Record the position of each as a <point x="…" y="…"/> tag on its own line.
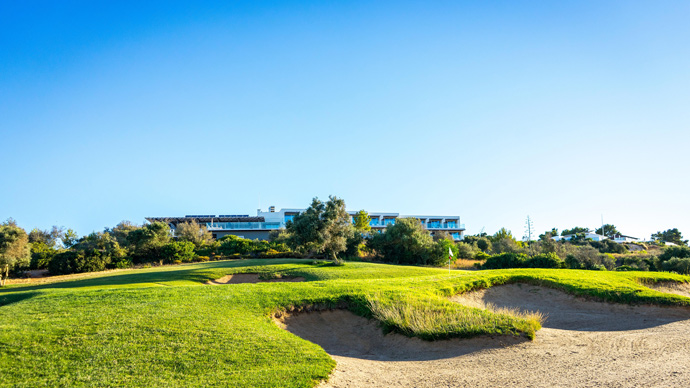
<point x="164" y="327"/>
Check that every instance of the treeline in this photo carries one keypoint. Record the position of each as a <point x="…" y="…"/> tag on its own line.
<point x="126" y="245"/>
<point x="502" y="250"/>
<point x="324" y="230"/>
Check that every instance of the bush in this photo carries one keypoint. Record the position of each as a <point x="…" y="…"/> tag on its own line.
<point x="466" y="251"/>
<point x="78" y="261"/>
<point x="481" y="256"/>
<point x="41" y="255"/>
<point x="202" y="259"/>
<point x="545" y="260"/>
<point x="124" y="262"/>
<point x="677" y="264"/>
<point x="677" y="252"/>
<point x="405" y="242"/>
<point x="586" y="257"/>
<point x="506" y="260"/>
<point x="178" y="251"/>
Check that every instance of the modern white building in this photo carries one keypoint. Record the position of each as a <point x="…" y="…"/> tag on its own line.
<point x="260" y="226"/>
<point x="619" y="238"/>
<point x="590" y="234"/>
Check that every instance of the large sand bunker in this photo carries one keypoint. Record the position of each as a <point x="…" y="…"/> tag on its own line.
<point x="582" y="344"/>
<point x="240" y="278"/>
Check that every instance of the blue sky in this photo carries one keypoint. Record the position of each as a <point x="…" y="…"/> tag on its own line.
<point x="490" y="110"/>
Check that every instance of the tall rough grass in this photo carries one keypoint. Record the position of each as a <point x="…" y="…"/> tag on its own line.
<point x="433" y="318"/>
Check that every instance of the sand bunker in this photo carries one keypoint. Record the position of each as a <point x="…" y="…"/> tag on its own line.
<point x="564" y="311"/>
<point x="682" y="289"/>
<point x="250" y="278"/>
<point x="582" y="344"/>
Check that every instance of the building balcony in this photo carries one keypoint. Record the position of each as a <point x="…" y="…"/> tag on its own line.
<point x="243" y="226"/>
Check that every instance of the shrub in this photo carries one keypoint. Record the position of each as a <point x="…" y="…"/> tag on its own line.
<point x="124" y="262"/>
<point x="586" y="257"/>
<point x="481" y="256"/>
<point x="677" y="264"/>
<point x="545" y="260"/>
<point x="506" y="260"/>
<point x="41" y="255"/>
<point x="78" y="261"/>
<point x="202" y="259"/>
<point x="405" y="242"/>
<point x="178" y="251"/>
<point x="671" y="252"/>
<point x="466" y="251"/>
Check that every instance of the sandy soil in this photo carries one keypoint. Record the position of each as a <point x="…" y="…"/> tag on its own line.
<point x="249" y="278"/>
<point x="682" y="289"/>
<point x="582" y="344"/>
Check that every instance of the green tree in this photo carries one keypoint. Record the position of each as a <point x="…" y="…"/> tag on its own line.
<point x="121" y="232"/>
<point x="323" y="228"/>
<point x="70" y="238"/>
<point x="607" y="230"/>
<point x="146" y="242"/>
<point x="670" y="235"/>
<point x="362" y="221"/>
<point x="194" y="233"/>
<point x="15" y="250"/>
<point x="575" y="230"/>
<point x="548" y="235"/>
<point x="484" y="244"/>
<point x="48" y="237"/>
<point x="182" y="251"/>
<point x="405" y="242"/>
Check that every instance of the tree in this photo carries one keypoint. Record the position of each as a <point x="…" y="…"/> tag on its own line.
<point x="337" y="228"/>
<point x="194" y="233"/>
<point x="607" y="230"/>
<point x="121" y="231"/>
<point x="574" y="230"/>
<point x="548" y="235"/>
<point x="48" y="237"/>
<point x="670" y="235"/>
<point x="182" y="251"/>
<point x="503" y="241"/>
<point x="70" y="238"/>
<point x="405" y="242"/>
<point x="146" y="242"/>
<point x="362" y="221"/>
<point x="321" y="229"/>
<point x="484" y="244"/>
<point x="15" y="250"/>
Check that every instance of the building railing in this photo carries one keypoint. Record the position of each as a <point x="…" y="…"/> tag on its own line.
<point x="243" y="225"/>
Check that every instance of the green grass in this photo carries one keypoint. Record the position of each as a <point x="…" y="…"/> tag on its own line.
<point x="163" y="327"/>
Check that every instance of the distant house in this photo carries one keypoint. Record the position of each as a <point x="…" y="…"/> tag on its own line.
<point x="619" y="238"/>
<point x="589" y="234"/>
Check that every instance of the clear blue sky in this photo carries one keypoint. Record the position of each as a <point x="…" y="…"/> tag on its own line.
<point x="491" y="110"/>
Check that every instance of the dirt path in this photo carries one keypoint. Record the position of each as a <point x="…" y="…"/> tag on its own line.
<point x="582" y="344"/>
<point x="240" y="278"/>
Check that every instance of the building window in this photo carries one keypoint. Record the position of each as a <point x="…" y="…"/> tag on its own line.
<point x="388" y="221"/>
<point x="434" y="224"/>
<point x="374" y="222"/>
<point x="451" y="224"/>
<point x="456" y="236"/>
<point x="289" y="217"/>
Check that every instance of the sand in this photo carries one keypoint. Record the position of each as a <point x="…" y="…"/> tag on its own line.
<point x="682" y="289"/>
<point x="249" y="278"/>
<point x="582" y="344"/>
